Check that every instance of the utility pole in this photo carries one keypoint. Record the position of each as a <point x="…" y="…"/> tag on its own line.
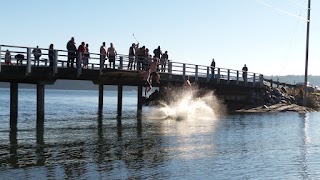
<point x="307" y="57"/>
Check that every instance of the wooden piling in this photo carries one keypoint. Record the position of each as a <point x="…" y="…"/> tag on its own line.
<point x="120" y="92"/>
<point x="100" y="98"/>
<point x="40" y="103"/>
<point x="13" y="105"/>
<point x="139" y="99"/>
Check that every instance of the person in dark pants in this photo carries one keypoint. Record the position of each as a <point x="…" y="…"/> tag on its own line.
<point x="245" y="73"/>
<point x="213" y="66"/>
<point x="72" y="52"/>
<point x="157" y="52"/>
<point x="37" y="54"/>
<point x="51" y="55"/>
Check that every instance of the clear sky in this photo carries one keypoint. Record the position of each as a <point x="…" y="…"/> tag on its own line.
<point x="267" y="35"/>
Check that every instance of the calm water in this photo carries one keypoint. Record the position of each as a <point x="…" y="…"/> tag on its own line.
<point x="78" y="144"/>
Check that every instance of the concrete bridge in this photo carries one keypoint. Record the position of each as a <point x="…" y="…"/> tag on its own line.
<point x="227" y="83"/>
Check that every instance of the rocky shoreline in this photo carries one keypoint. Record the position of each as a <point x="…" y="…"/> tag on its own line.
<point x="278" y="100"/>
<point x="265" y="100"/>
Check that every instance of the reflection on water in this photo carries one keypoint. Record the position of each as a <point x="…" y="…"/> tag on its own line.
<point x="91" y="146"/>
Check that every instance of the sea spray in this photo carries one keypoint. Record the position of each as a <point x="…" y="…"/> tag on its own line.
<point x="189" y="104"/>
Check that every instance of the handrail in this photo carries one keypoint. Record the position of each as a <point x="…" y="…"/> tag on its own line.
<point x="122" y="61"/>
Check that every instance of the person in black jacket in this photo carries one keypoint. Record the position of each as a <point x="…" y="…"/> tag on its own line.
<point x="72" y="52"/>
<point x="51" y="54"/>
<point x="244" y="72"/>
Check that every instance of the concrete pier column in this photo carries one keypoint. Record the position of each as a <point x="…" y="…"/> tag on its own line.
<point x="120" y="91"/>
<point x="139" y="99"/>
<point x="100" y="98"/>
<point x="13" y="105"/>
<point x="40" y="108"/>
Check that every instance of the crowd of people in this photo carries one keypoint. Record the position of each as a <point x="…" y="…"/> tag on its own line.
<point x="139" y="59"/>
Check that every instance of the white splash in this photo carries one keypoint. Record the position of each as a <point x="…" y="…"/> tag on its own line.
<point x="189" y="105"/>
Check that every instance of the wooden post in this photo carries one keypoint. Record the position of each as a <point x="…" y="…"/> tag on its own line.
<point x="237" y="82"/>
<point x="184" y="71"/>
<point x="208" y="74"/>
<point x="13" y="105"/>
<point x="228" y="76"/>
<point x="120" y="88"/>
<point x="170" y="69"/>
<point x="218" y="78"/>
<point x="101" y="64"/>
<point x="79" y="68"/>
<point x="139" y="99"/>
<point x="121" y="63"/>
<point x="28" y="71"/>
<point x="196" y="75"/>
<point x="254" y="79"/>
<point x="55" y="62"/>
<point x="40" y="104"/>
<point x="100" y="98"/>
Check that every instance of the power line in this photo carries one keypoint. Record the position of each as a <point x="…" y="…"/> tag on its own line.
<point x="280" y="10"/>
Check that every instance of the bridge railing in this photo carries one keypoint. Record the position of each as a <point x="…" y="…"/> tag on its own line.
<point x="23" y="56"/>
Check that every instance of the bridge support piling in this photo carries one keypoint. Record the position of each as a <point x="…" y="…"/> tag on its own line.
<point x="13" y="106"/>
<point x="120" y="91"/>
<point x="139" y="99"/>
<point x="100" y="98"/>
<point x="40" y="104"/>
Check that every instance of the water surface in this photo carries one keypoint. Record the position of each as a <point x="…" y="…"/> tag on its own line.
<point x="78" y="143"/>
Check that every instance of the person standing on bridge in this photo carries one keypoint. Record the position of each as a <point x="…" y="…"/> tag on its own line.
<point x="86" y="57"/>
<point x="213" y="66"/>
<point x="163" y="61"/>
<point x="132" y="53"/>
<point x="103" y="53"/>
<point x="7" y="58"/>
<point x="157" y="52"/>
<point x="36" y="53"/>
<point x="72" y="52"/>
<point x="245" y="73"/>
<point x="80" y="53"/>
<point x="51" y="55"/>
<point x="111" y="53"/>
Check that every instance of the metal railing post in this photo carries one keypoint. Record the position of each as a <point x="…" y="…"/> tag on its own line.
<point x="196" y="75"/>
<point x="28" y="61"/>
<point x="170" y="69"/>
<point x="208" y="74"/>
<point x="237" y="82"/>
<point x="184" y="71"/>
<point x="218" y="76"/>
<point x="55" y="62"/>
<point x="121" y="63"/>
<point x="228" y="76"/>
<point x="79" y="69"/>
